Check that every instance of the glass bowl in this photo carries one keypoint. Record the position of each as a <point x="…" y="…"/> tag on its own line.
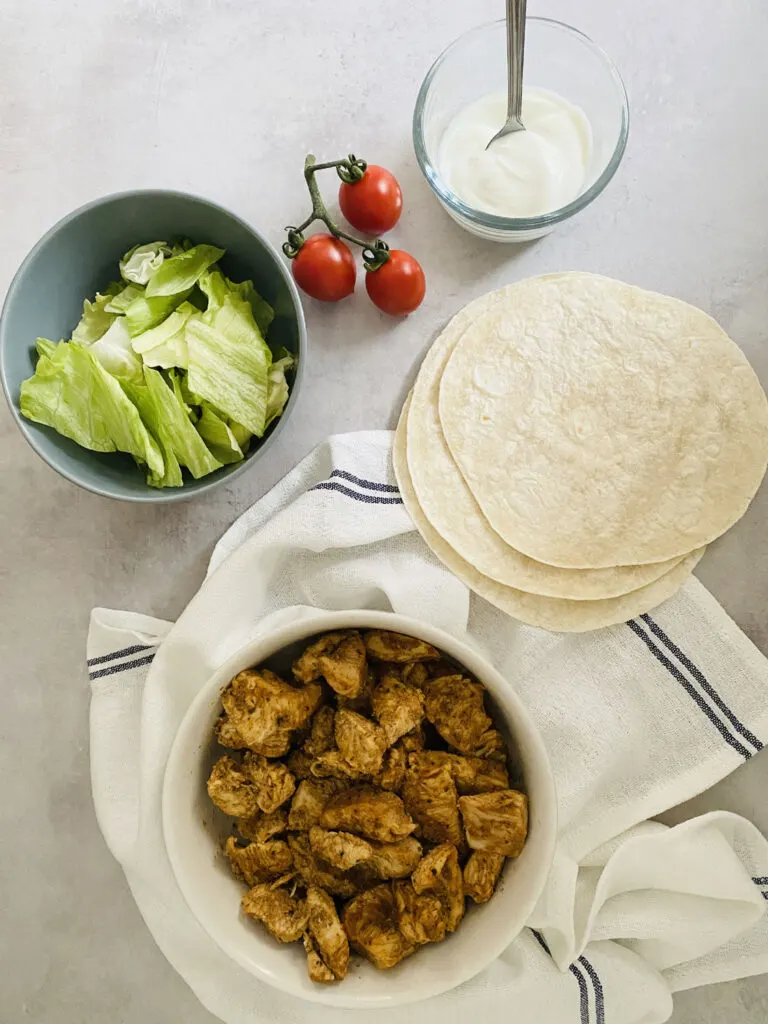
<point x="558" y="58"/>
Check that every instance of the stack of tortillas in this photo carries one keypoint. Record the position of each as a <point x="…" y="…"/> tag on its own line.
<point x="572" y="443"/>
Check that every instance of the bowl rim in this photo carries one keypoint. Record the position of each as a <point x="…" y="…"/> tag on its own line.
<point x="167" y="494"/>
<point x="542" y="220"/>
<point x="187" y="743"/>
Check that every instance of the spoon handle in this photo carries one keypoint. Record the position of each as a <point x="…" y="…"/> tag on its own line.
<point x="515" y="49"/>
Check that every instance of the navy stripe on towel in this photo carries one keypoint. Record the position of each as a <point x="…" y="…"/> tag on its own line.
<point x="674" y="671"/>
<point x="119" y="654"/>
<point x="761" y="881"/>
<point x="583" y="992"/>
<point x="369" y="485"/>
<point x="597" y="985"/>
<point x="706" y="686"/>
<point x="122" y="666"/>
<point x="369" y="499"/>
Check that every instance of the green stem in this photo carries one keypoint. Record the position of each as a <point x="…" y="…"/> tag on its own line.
<point x="375" y="253"/>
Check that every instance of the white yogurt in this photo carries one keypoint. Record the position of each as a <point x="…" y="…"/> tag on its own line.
<point x="524" y="174"/>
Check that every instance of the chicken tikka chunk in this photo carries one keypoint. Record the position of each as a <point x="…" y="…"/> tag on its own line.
<point x="231" y="788"/>
<point x="339" y="658"/>
<point x="393" y="769"/>
<point x="430" y="797"/>
<point x="455" y="707"/>
<point x="361" y="742"/>
<point x="316" y="966"/>
<point x="496" y="822"/>
<point x="308" y="802"/>
<point x="341" y="850"/>
<point x="227" y="735"/>
<point x="399" y="709"/>
<point x="320" y="736"/>
<point x="481" y="873"/>
<point x="396" y="648"/>
<point x="471" y="774"/>
<point x="273" y="782"/>
<point x="314" y="871"/>
<point x="259" y="862"/>
<point x="370" y="812"/>
<point x="285" y="916"/>
<point x="265" y="711"/>
<point x="370" y="921"/>
<point x="420" y="916"/>
<point x="439" y="873"/>
<point x="260" y="827"/>
<point x="327" y="931"/>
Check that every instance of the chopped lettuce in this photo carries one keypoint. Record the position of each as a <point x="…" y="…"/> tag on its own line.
<point x="114" y="352"/>
<point x="45" y="347"/>
<point x="73" y="393"/>
<point x="229" y="361"/>
<point x="180" y="273"/>
<point x="215" y="287"/>
<point x="218" y="435"/>
<point x="144" y="313"/>
<point x="169" y="421"/>
<point x="122" y="300"/>
<point x="140" y="263"/>
<point x="263" y="313"/>
<point x="95" y="320"/>
<point x="277" y="387"/>
<point x="166" y="345"/>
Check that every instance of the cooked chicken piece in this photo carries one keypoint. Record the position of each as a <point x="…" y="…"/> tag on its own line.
<point x="327" y="931"/>
<point x="471" y="774"/>
<point x="496" y="822"/>
<point x="264" y="710"/>
<point x="261" y="827"/>
<point x="454" y="705"/>
<point x="339" y="658"/>
<point x="481" y="873"/>
<point x="439" y="873"/>
<point x="393" y="768"/>
<point x="299" y="764"/>
<point x="333" y="765"/>
<point x="361" y="742"/>
<point x="341" y="850"/>
<point x="274" y="783"/>
<point x="320" y="737"/>
<point x="316" y="969"/>
<point x="370" y="920"/>
<point x="383" y="645"/>
<point x="227" y="735"/>
<point x="395" y="860"/>
<point x="308" y="802"/>
<point x="437" y="669"/>
<point x="415" y="674"/>
<point x="398" y="708"/>
<point x="313" y="871"/>
<point x="369" y="812"/>
<point x="362" y="702"/>
<point x="285" y="916"/>
<point x="430" y="797"/>
<point x="259" y="862"/>
<point x="412" y="741"/>
<point x="420" y="916"/>
<point x="231" y="789"/>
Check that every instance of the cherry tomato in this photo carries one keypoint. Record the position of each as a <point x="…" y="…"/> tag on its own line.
<point x="373" y="204"/>
<point x="324" y="268"/>
<point x="398" y="286"/>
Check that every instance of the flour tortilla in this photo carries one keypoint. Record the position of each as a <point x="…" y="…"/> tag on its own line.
<point x="554" y="614"/>
<point x="448" y="504"/>
<point x="598" y="424"/>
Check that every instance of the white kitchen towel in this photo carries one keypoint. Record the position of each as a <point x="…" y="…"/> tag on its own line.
<point x="636" y="717"/>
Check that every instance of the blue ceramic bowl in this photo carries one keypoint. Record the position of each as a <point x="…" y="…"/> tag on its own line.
<point x="79" y="256"/>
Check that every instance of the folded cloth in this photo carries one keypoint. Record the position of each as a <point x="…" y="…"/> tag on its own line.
<point x="636" y="717"/>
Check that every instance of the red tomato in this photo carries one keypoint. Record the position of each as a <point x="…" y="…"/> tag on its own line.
<point x="398" y="286"/>
<point x="324" y="268"/>
<point x="373" y="204"/>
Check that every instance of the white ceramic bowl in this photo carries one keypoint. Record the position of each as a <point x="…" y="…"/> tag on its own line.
<point x="194" y="830"/>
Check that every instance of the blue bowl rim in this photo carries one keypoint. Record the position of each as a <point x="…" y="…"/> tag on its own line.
<point x="218" y="478"/>
<point x="543" y="220"/>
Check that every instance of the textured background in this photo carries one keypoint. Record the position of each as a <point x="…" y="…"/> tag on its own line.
<point x="223" y="97"/>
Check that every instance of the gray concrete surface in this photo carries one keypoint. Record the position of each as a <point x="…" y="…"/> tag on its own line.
<point x="223" y="97"/>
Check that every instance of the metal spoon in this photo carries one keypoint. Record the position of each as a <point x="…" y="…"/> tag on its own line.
<point x="515" y="54"/>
